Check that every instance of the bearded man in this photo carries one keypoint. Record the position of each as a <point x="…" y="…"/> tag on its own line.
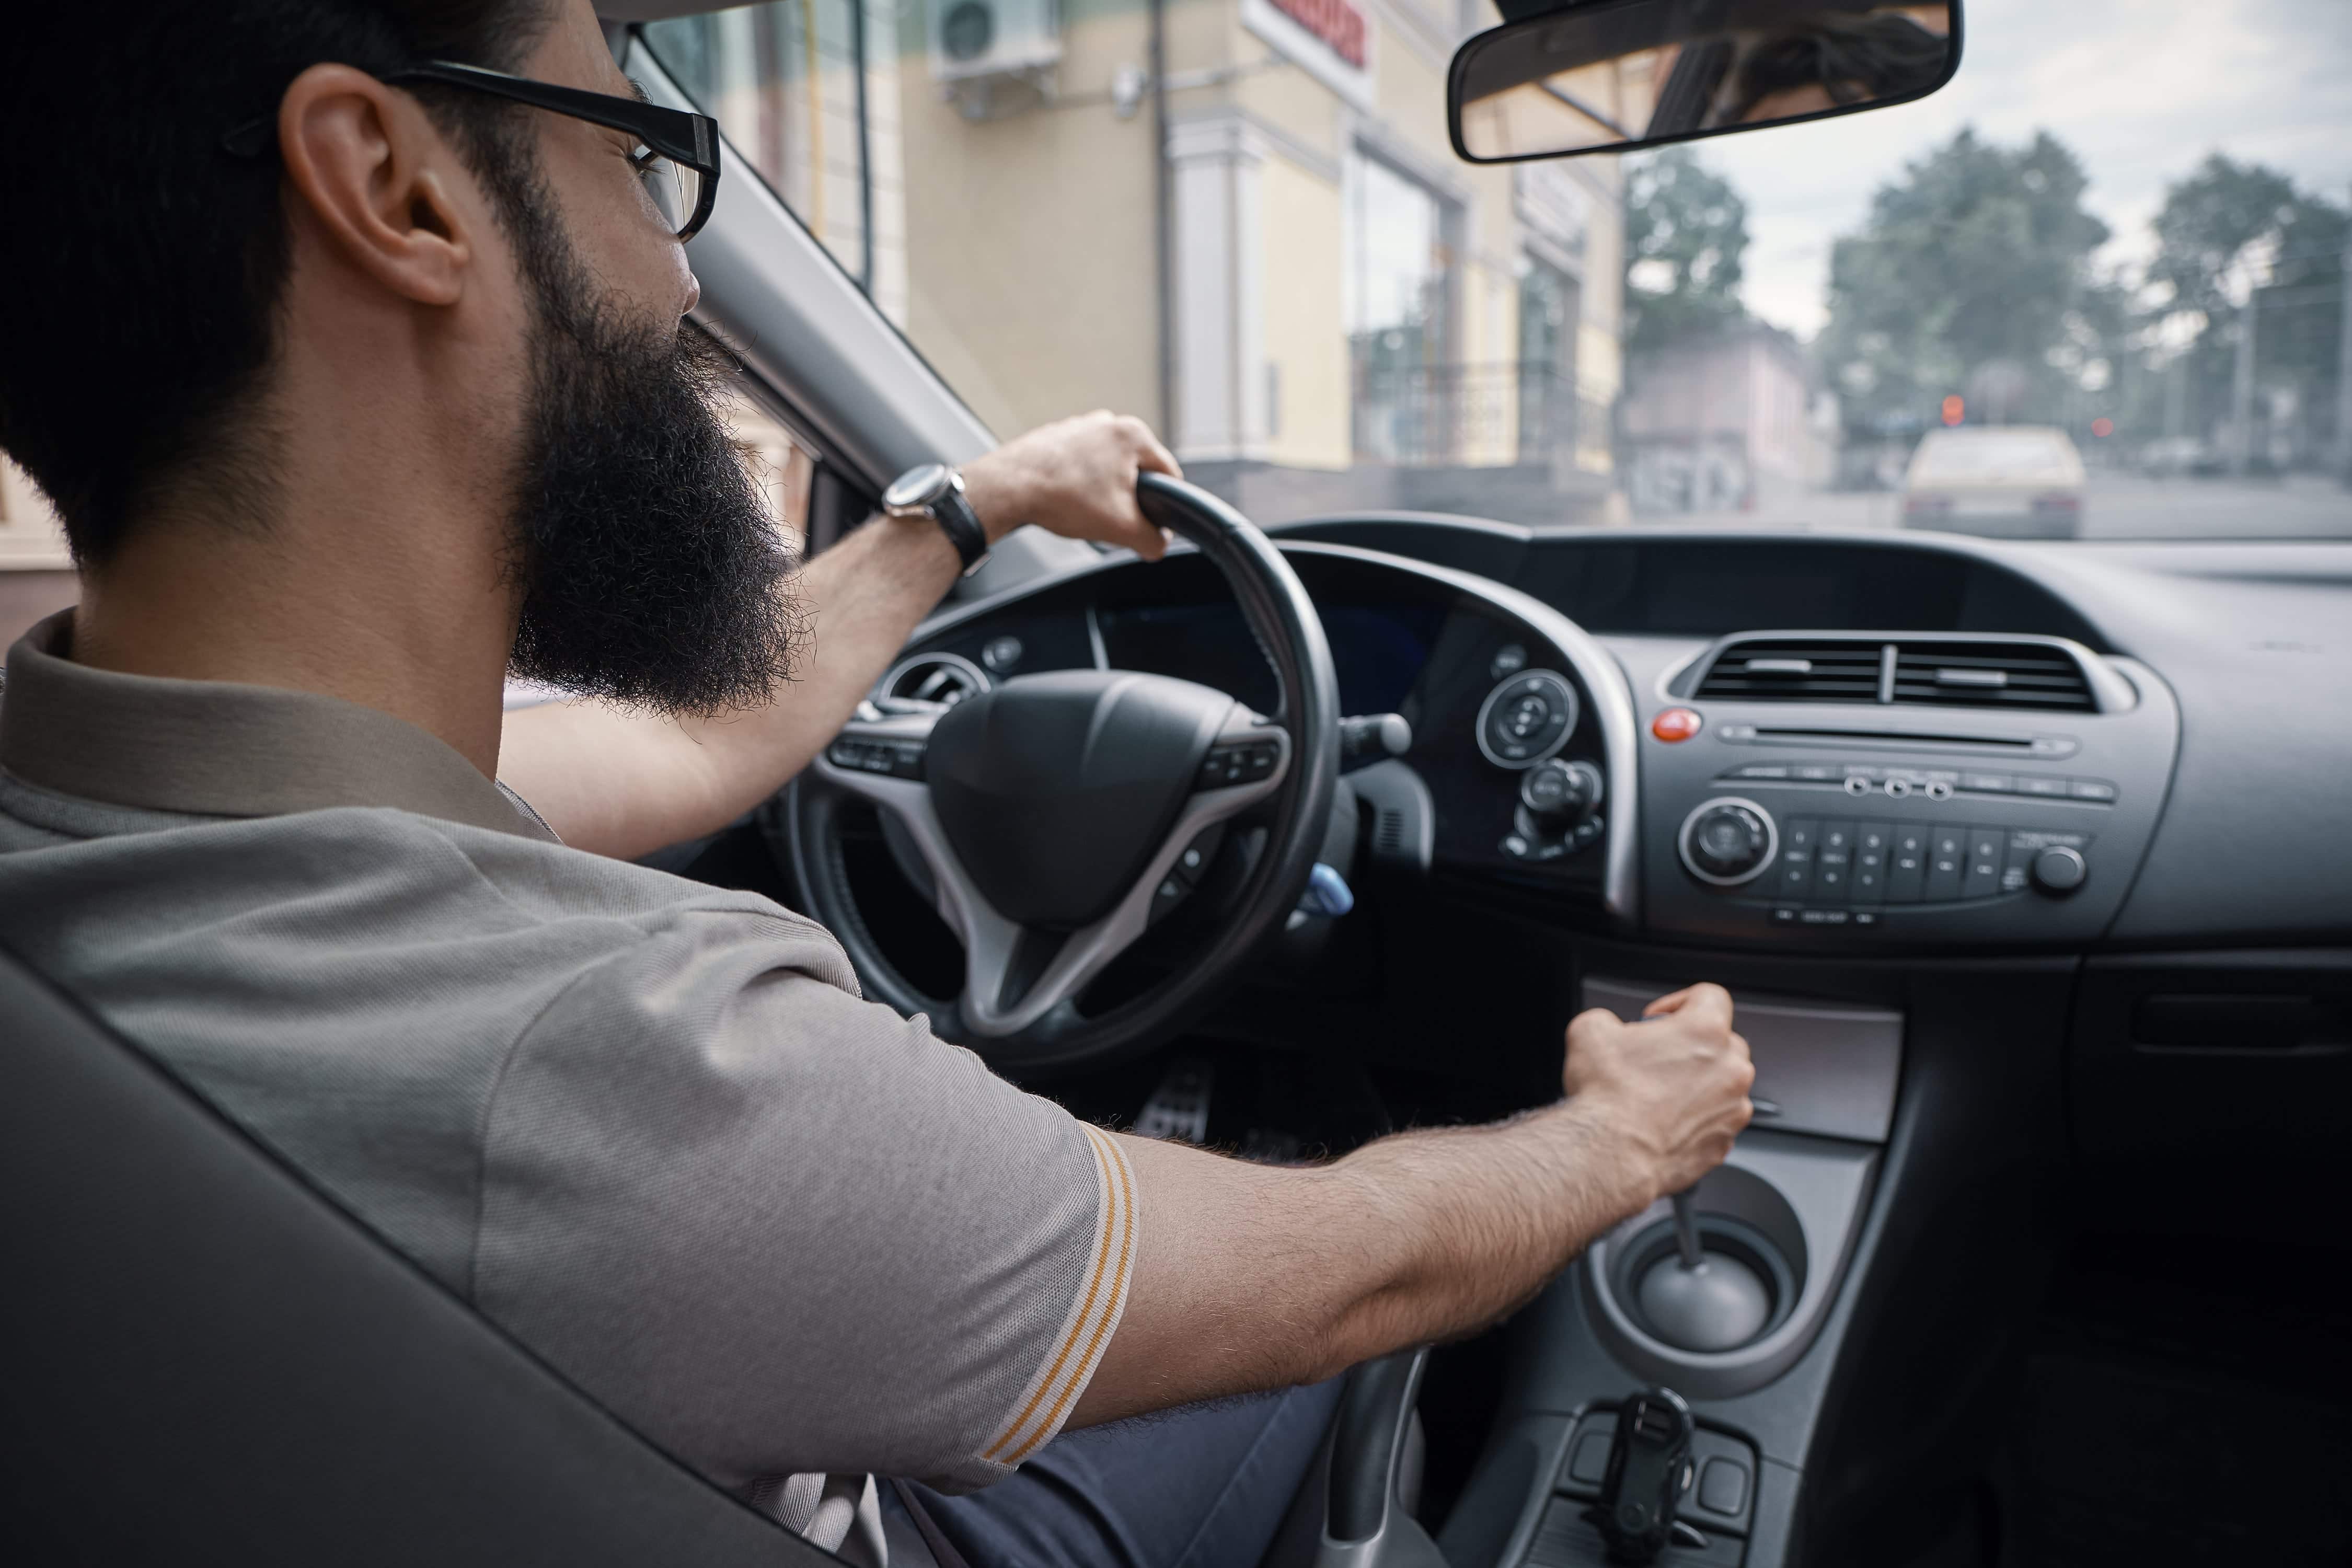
<point x="350" y="343"/>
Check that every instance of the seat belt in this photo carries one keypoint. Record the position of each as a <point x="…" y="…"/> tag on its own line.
<point x="942" y="1549"/>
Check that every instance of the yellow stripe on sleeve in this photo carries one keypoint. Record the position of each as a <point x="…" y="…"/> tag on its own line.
<point x="1093" y="1316"/>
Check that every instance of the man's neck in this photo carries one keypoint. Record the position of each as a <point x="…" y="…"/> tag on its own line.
<point x="397" y="607"/>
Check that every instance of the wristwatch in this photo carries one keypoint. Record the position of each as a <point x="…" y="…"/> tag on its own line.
<point x="936" y="490"/>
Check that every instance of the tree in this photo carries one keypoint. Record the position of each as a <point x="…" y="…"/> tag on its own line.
<point x="1685" y="231"/>
<point x="2228" y="229"/>
<point x="1973" y="270"/>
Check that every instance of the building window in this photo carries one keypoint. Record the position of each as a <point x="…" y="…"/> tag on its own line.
<point x="1550" y="301"/>
<point x="1398" y="293"/>
<point x="798" y="86"/>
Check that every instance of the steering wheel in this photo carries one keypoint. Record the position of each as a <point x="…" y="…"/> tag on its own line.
<point x="1050" y="810"/>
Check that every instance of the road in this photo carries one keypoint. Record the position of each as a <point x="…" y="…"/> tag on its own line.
<point x="2117" y="506"/>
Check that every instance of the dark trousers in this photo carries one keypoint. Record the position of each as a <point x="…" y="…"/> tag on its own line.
<point x="1204" y="1487"/>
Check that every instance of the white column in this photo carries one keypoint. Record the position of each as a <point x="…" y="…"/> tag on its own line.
<point x="1218" y="262"/>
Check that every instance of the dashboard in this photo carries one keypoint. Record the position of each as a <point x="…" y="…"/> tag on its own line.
<point x="1511" y="709"/>
<point x="1825" y="743"/>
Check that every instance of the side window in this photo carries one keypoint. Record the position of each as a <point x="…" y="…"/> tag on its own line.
<point x="785" y="469"/>
<point x="807" y="91"/>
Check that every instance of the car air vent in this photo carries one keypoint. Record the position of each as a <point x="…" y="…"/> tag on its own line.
<point x="1991" y="675"/>
<point x="1792" y="670"/>
<point x="944" y="679"/>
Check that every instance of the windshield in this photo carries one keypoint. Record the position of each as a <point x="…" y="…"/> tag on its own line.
<point x="2123" y="225"/>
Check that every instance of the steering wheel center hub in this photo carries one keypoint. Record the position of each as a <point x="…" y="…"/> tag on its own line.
<point x="1054" y="789"/>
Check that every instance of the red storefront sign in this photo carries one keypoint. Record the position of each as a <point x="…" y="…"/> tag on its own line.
<point x="1336" y="22"/>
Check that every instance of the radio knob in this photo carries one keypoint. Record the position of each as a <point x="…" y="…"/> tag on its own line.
<point x="2059" y="869"/>
<point x="1727" y="841"/>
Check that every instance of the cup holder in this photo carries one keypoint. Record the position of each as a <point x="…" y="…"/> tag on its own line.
<point x="1720" y="1328"/>
<point x="1743" y="1291"/>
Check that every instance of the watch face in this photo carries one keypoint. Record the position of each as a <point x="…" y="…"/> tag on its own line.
<point x="917" y="487"/>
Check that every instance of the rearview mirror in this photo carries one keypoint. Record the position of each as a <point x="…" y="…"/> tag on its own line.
<point x="1612" y="74"/>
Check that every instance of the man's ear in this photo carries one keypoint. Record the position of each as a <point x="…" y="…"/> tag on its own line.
<point x="374" y="173"/>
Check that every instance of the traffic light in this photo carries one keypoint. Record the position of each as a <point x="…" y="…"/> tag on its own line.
<point x="1954" y="407"/>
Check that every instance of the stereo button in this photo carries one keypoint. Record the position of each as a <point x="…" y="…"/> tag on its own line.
<point x="1947" y="864"/>
<point x="1906" y="865"/>
<point x="1986" y="848"/>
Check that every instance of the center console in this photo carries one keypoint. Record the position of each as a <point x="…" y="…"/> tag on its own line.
<point x="1780" y="1219"/>
<point x="1858" y="792"/>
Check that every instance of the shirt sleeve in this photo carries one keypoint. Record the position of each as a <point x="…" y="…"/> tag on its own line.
<point x="781" y="1230"/>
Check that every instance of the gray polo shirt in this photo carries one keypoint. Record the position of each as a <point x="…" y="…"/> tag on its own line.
<point x="647" y="1125"/>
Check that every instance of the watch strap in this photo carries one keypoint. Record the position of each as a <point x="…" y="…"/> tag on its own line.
<point x="956" y="518"/>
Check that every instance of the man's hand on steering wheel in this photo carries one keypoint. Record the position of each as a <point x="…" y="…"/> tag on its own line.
<point x="1076" y="478"/>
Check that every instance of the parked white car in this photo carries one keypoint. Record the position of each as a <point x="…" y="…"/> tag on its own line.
<point x="2017" y="482"/>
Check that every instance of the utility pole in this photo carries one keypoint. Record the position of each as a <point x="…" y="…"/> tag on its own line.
<point x="2242" y="390"/>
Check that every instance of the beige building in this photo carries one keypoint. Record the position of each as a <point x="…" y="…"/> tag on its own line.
<point x="1273" y="252"/>
<point x="1727" y="423"/>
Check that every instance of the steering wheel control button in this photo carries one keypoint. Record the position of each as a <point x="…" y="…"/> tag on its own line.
<point x="1526" y="719"/>
<point x="1238" y="762"/>
<point x="1196" y="856"/>
<point x="1680" y="724"/>
<point x="897" y="759"/>
<point x="1509" y="659"/>
<point x="2059" y="868"/>
<point x="1728" y="841"/>
<point x="1165" y="898"/>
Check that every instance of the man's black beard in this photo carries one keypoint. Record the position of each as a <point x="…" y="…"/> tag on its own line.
<point x="651" y="571"/>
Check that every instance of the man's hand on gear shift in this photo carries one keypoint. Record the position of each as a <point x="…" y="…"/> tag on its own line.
<point x="1672" y="1090"/>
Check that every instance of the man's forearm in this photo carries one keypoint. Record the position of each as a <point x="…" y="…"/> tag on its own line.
<point x="623" y="784"/>
<point x="1457" y="1226"/>
<point x="1260" y="1277"/>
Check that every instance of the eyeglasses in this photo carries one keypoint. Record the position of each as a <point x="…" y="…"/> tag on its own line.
<point x="677" y="159"/>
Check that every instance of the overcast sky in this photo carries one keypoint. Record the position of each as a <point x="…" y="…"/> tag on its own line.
<point x="2141" y="89"/>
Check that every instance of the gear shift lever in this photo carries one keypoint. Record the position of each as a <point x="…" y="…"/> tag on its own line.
<point x="1697" y="1302"/>
<point x="1686" y="1229"/>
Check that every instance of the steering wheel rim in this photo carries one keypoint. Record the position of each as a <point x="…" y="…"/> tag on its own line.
<point x="1297" y="803"/>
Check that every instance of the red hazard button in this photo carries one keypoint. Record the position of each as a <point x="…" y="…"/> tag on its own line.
<point x="1675" y="724"/>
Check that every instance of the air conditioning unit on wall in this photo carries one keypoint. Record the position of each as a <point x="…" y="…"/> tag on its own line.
<point x="994" y="58"/>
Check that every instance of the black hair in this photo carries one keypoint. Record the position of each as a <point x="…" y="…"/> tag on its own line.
<point x="1890" y="55"/>
<point x="144" y="266"/>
